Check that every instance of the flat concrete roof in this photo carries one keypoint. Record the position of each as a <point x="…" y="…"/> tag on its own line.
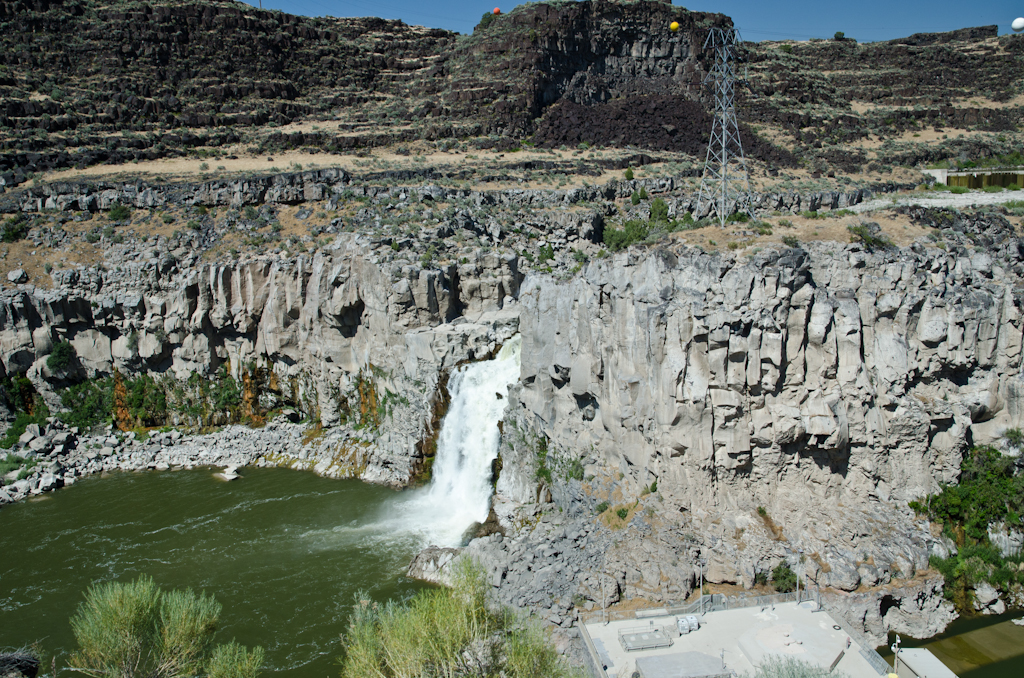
<point x="746" y="636"/>
<point x="922" y="662"/>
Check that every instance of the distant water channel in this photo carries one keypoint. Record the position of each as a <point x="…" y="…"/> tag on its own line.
<point x="283" y="551"/>
<point x="976" y="647"/>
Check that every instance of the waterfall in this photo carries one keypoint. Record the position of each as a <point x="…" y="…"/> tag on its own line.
<point x="459" y="493"/>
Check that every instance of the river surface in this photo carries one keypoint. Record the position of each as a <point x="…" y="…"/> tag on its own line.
<point x="976" y="647"/>
<point x="283" y="551"/>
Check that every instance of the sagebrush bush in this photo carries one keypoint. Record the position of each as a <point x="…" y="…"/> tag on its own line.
<point x="119" y="212"/>
<point x="447" y="632"/>
<point x="136" y="630"/>
<point x="791" y="667"/>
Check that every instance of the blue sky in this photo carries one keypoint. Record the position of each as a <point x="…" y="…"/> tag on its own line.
<point x="865" y="20"/>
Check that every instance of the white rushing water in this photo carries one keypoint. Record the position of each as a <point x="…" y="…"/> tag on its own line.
<point x="459" y="493"/>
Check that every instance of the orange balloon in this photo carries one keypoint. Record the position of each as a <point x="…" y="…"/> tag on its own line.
<point x="497" y="11"/>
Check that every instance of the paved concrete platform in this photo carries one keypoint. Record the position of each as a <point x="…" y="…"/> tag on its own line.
<point x="740" y="639"/>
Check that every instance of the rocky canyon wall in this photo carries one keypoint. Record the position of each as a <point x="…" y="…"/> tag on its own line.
<point x="795" y="399"/>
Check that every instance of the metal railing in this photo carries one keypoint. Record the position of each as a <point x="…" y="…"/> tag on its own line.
<point x="711" y="603"/>
<point x="867" y="649"/>
<point x="593" y="662"/>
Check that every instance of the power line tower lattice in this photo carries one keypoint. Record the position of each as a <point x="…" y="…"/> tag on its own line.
<point x="725" y="185"/>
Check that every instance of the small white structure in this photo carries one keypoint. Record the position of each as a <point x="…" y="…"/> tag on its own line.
<point x="229" y="473"/>
<point x="1018" y="24"/>
<point x="917" y="662"/>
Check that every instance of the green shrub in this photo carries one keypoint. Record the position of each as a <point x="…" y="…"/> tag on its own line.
<point x="12" y="462"/>
<point x="760" y="578"/>
<point x="635" y="198"/>
<point x="790" y="241"/>
<point x="89" y="403"/>
<point x="547" y="253"/>
<point x="1012" y="187"/>
<point x="250" y="213"/>
<point x="634" y="230"/>
<point x="628" y="174"/>
<point x="839" y="35"/>
<point x="988" y="492"/>
<point x="783" y="578"/>
<point x="643" y="193"/>
<point x="809" y="214"/>
<point x="61" y="358"/>
<point x="1014" y="437"/>
<point x="541" y="455"/>
<point x="602" y="507"/>
<point x="863" y="234"/>
<point x="958" y="189"/>
<point x="788" y="49"/>
<point x="14" y="229"/>
<point x="487" y="19"/>
<point x="136" y="629"/>
<point x="659" y="210"/>
<point x="993" y="189"/>
<point x="441" y="632"/>
<point x="775" y="666"/>
<point x="622" y="513"/>
<point x="28" y="407"/>
<point x="119" y="212"/>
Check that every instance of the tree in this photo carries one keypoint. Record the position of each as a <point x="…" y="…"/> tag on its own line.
<point x="840" y="35"/>
<point x="62" y="357"/>
<point x="783" y="578"/>
<point x="137" y="630"/>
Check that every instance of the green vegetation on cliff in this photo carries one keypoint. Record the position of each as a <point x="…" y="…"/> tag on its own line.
<point x="989" y="491"/>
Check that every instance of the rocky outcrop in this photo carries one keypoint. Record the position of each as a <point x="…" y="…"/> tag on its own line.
<point x="915" y="608"/>
<point x="797" y="399"/>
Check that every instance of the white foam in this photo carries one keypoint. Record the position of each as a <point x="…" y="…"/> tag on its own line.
<point x="459" y="493"/>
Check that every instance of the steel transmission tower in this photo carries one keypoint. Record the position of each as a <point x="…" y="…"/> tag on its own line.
<point x="726" y="182"/>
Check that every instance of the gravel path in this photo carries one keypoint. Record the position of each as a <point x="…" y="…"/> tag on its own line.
<point x="955" y="200"/>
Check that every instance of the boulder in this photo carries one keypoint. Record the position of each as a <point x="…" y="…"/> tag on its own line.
<point x="986" y="599"/>
<point x="434" y="565"/>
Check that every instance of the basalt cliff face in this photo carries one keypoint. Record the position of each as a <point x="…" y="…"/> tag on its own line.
<point x="743" y="410"/>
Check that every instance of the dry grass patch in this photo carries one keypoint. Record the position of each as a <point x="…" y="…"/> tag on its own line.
<point x="618" y="516"/>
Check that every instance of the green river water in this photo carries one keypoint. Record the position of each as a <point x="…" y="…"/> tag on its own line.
<point x="975" y="647"/>
<point x="283" y="551"/>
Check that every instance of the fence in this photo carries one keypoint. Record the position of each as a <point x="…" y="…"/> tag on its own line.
<point x="710" y="603"/>
<point x="720" y="601"/>
<point x="984" y="178"/>
<point x="592" y="660"/>
<point x="867" y="649"/>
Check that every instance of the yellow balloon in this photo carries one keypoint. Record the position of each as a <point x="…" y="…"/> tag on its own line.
<point x="674" y="26"/>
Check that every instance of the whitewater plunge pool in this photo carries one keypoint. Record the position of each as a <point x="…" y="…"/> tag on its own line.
<point x="283" y="551"/>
